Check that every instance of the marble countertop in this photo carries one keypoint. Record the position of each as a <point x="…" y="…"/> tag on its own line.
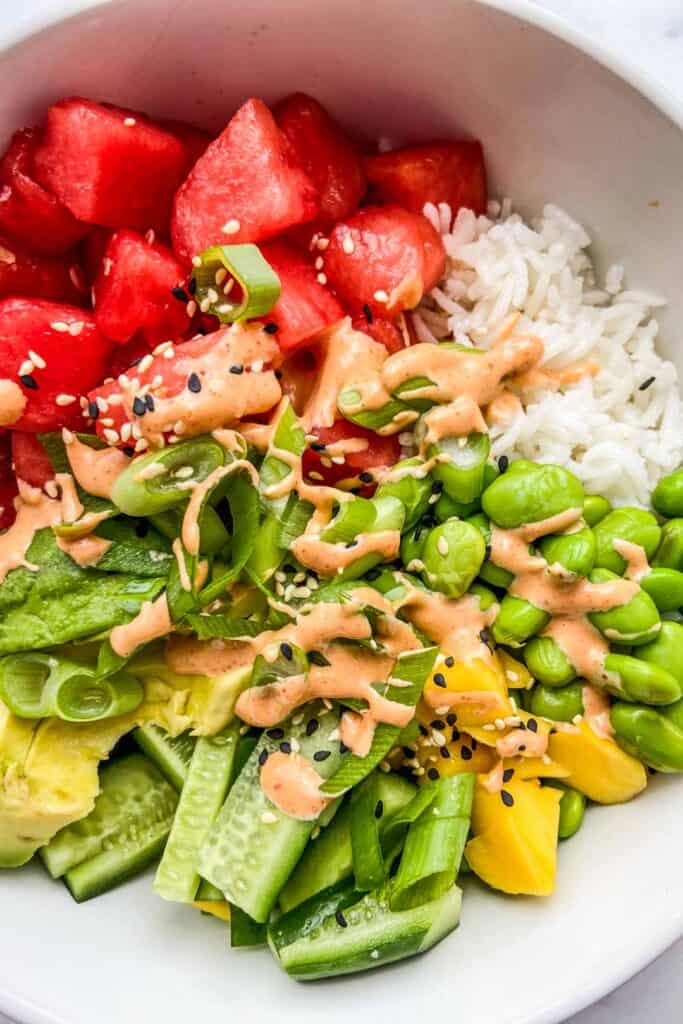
<point x="650" y="34"/>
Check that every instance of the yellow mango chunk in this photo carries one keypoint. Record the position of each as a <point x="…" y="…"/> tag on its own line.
<point x="535" y="768"/>
<point x="217" y="908"/>
<point x="517" y="675"/>
<point x="597" y="766"/>
<point x="477" y="759"/>
<point x="475" y="691"/>
<point x="514" y="848"/>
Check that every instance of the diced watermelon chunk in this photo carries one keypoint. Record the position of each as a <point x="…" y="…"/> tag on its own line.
<point x="245" y="188"/>
<point x="193" y="139"/>
<point x="8" y="482"/>
<point x="134" y="291"/>
<point x="63" y="338"/>
<point x="385" y="258"/>
<point x="28" y="213"/>
<point x="437" y="172"/>
<point x="380" y="453"/>
<point x="30" y="460"/>
<point x="43" y="277"/>
<point x="305" y="307"/>
<point x="110" y="166"/>
<point x="386" y="332"/>
<point x="106" y="419"/>
<point x="93" y="250"/>
<point x="327" y="155"/>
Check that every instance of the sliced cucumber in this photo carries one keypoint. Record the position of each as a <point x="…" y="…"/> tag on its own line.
<point x="208" y="893"/>
<point x="328" y="859"/>
<point x="359" y="936"/>
<point x="128" y="858"/>
<point x="170" y="754"/>
<point x="252" y="846"/>
<point x="133" y="795"/>
<point x="205" y="788"/>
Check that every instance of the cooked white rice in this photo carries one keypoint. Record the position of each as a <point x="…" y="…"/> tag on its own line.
<point x="617" y="438"/>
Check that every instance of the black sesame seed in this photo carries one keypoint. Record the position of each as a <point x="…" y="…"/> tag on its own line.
<point x="275" y="734"/>
<point x="179" y="293"/>
<point x="192" y="286"/>
<point x="237" y="368"/>
<point x="507" y="798"/>
<point x="129" y="451"/>
<point x="286" y="747"/>
<point x="343" y="749"/>
<point x="474" y="743"/>
<point x="503" y="463"/>
<point x="194" y="384"/>
<point x="521" y="747"/>
<point x="647" y="383"/>
<point x="340" y="919"/>
<point x="437" y="487"/>
<point x="139" y="406"/>
<point x="452" y="718"/>
<point x="278" y="374"/>
<point x="445" y="752"/>
<point x="317" y="446"/>
<point x="141" y="528"/>
<point x="286" y="651"/>
<point x="487" y="551"/>
<point x="408" y="751"/>
<point x="149" y="402"/>
<point x="321" y="755"/>
<point x="465" y="753"/>
<point x="455" y="735"/>
<point x="450" y="661"/>
<point x="93" y="410"/>
<point x="351" y="543"/>
<point x="433" y="774"/>
<point x="367" y="313"/>
<point x="379" y="809"/>
<point x="423" y="730"/>
<point x="439" y="679"/>
<point x="270" y="328"/>
<point x="136" y="362"/>
<point x="373" y="574"/>
<point x="366" y="478"/>
<point x="395" y="864"/>
<point x="521" y="725"/>
<point x="507" y="774"/>
<point x="311" y="726"/>
<point x="485" y="637"/>
<point x="437" y="724"/>
<point x="29" y="382"/>
<point x="532" y="725"/>
<point x="263" y="757"/>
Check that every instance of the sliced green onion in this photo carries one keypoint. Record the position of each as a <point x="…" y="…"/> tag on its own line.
<point x="290" y="661"/>
<point x="181" y="601"/>
<point x="352" y="517"/>
<point x="42" y="686"/>
<point x="435" y="843"/>
<point x="222" y="627"/>
<point x="242" y="498"/>
<point x="288" y="437"/>
<point x="366" y="813"/>
<point x="407" y="815"/>
<point x="244" y="263"/>
<point x="159" y="480"/>
<point x="371" y="419"/>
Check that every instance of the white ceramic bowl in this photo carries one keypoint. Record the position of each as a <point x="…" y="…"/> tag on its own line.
<point x="560" y="121"/>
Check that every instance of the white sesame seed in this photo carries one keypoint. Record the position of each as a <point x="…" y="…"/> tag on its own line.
<point x="328" y="705"/>
<point x="281" y="576"/>
<point x="59" y="326"/>
<point x="231" y="227"/>
<point x="196" y="261"/>
<point x="157" y="381"/>
<point x="347" y="245"/>
<point x="184" y="473"/>
<point x="221" y="275"/>
<point x="6" y="256"/>
<point x="65" y="399"/>
<point x="301" y="592"/>
<point x="76" y="328"/>
<point x="107" y="264"/>
<point x="334" y="735"/>
<point x="126" y="429"/>
<point x="228" y="286"/>
<point x="191" y="308"/>
<point x="406" y="438"/>
<point x="244" y="729"/>
<point x="145" y="363"/>
<point x="338" y="460"/>
<point x="26" y="368"/>
<point x="111" y="436"/>
<point x="316" y="832"/>
<point x="576" y="719"/>
<point x="268" y="818"/>
<point x="51" y="489"/>
<point x="204" y="305"/>
<point x="141" y="445"/>
<point x="36" y="359"/>
<point x="314" y="475"/>
<point x="443" y="709"/>
<point x="433" y="498"/>
<point x="124" y="380"/>
<point x="438" y="738"/>
<point x="179" y="427"/>
<point x="311" y="583"/>
<point x="384" y="766"/>
<point x="257" y="366"/>
<point x="212" y="295"/>
<point x="129" y="121"/>
<point x="319" y="263"/>
<point x="442" y="546"/>
<point x="279" y="590"/>
<point x="321" y="278"/>
<point x="150" y="236"/>
<point x="374" y="954"/>
<point x="225" y="307"/>
<point x="322" y="244"/>
<point x="107" y="421"/>
<point x="489" y="727"/>
<point x="76" y="278"/>
<point x="546" y="759"/>
<point x="67" y="436"/>
<point x="295" y="745"/>
<point x="499" y="723"/>
<point x="381" y="296"/>
<point x="102" y="403"/>
<point x="298" y="719"/>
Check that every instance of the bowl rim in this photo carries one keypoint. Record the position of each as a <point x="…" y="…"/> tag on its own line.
<point x="54" y="12"/>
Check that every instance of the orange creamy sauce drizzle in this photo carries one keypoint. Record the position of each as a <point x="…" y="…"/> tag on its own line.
<point x="86" y="550"/>
<point x="291" y="783"/>
<point x="524" y="742"/>
<point x="553" y="380"/>
<point x="12" y="402"/>
<point x="96" y="470"/>
<point x="190" y="532"/>
<point x="455" y="624"/>
<point x="151" y="622"/>
<point x="357" y="730"/>
<point x="347" y="356"/>
<point x="458" y="418"/>
<point x="596" y="711"/>
<point x="35" y="511"/>
<point x="327" y="559"/>
<point x="635" y="556"/>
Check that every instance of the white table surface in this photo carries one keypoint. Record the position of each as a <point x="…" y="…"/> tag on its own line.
<point x="649" y="33"/>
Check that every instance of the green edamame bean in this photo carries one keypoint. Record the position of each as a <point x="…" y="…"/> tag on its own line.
<point x="669" y="554"/>
<point x="636" y="622"/>
<point x="630" y="524"/>
<point x="486" y="597"/>
<point x="665" y="587"/>
<point x="667" y="497"/>
<point x="547" y="662"/>
<point x="517" y="620"/>
<point x="413" y="542"/>
<point x="492" y="574"/>
<point x="641" y="682"/>
<point x="463" y="475"/>
<point x="529" y="495"/>
<point x="560" y="704"/>
<point x="412" y="491"/>
<point x="666" y="650"/>
<point x="595" y="508"/>
<point x="446" y="508"/>
<point x="654" y="737"/>
<point x="572" y="810"/>
<point x="575" y="552"/>
<point x="452" y="556"/>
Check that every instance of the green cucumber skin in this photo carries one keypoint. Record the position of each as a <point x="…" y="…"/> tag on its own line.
<point x="205" y="789"/>
<point x="208" y="892"/>
<point x="250" y="860"/>
<point x="112" y="867"/>
<point x="329" y="859"/>
<point x="373" y="935"/>
<point x="133" y="794"/>
<point x="171" y="755"/>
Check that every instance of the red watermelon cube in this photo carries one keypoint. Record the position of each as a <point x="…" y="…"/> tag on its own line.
<point x="437" y="172"/>
<point x="44" y="277"/>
